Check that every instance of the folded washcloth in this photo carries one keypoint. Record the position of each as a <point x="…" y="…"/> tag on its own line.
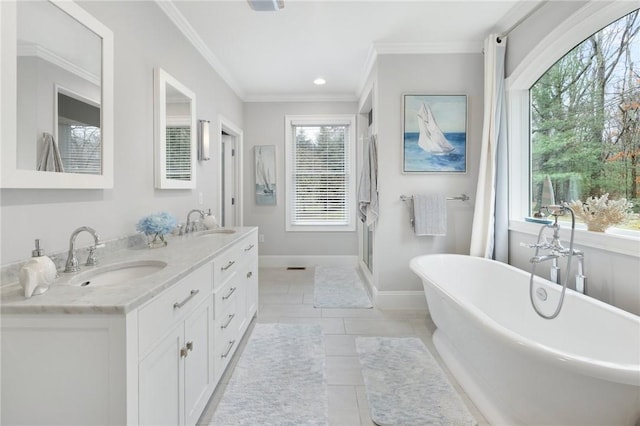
<point x="430" y="214"/>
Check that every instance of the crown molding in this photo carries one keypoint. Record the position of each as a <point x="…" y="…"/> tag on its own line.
<point x="178" y="19"/>
<point x="45" y="54"/>
<point x="304" y="97"/>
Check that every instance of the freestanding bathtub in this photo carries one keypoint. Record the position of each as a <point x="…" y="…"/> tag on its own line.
<point x="581" y="368"/>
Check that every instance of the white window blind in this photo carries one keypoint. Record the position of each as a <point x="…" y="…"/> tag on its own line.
<point x="178" y="140"/>
<point x="320" y="174"/>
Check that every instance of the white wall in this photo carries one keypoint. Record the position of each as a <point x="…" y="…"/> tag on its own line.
<point x="395" y="242"/>
<point x="144" y="38"/>
<point x="265" y="125"/>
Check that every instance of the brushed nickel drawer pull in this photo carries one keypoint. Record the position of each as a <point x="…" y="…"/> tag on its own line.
<point x="249" y="248"/>
<point x="223" y="326"/>
<point x="229" y="265"/>
<point x="231" y="291"/>
<point x="184" y="302"/>
<point x="231" y="343"/>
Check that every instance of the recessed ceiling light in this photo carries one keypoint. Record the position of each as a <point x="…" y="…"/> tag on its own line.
<point x="319" y="81"/>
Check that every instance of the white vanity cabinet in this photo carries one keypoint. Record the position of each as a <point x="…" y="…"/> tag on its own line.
<point x="157" y="363"/>
<point x="175" y="370"/>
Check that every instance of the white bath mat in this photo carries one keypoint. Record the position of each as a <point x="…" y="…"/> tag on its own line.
<point x="339" y="287"/>
<point x="279" y="380"/>
<point x="405" y="385"/>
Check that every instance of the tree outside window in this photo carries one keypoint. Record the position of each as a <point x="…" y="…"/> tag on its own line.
<point x="585" y="119"/>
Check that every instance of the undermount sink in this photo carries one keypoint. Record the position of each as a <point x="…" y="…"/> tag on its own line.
<point x="117" y="273"/>
<point x="217" y="231"/>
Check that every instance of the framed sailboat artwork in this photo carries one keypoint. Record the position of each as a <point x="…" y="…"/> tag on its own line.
<point x="434" y="133"/>
<point x="265" y="167"/>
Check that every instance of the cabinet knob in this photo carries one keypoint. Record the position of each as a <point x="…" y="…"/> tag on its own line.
<point x="184" y="352"/>
<point x="190" y="346"/>
<point x="249" y="274"/>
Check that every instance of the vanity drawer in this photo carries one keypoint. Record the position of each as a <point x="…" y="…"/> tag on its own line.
<point x="225" y="296"/>
<point x="249" y="248"/>
<point x="226" y="339"/>
<point x="226" y="264"/>
<point x="162" y="312"/>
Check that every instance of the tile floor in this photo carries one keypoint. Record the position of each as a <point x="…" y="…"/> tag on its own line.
<point x="287" y="297"/>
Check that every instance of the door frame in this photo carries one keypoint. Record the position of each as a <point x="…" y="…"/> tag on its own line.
<point x="229" y="127"/>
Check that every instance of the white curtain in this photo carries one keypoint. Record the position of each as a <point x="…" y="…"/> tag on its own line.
<point x="489" y="236"/>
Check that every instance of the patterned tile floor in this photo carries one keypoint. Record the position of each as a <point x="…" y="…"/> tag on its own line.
<point x="287" y="297"/>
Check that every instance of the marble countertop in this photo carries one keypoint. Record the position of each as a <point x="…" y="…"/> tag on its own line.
<point x="183" y="255"/>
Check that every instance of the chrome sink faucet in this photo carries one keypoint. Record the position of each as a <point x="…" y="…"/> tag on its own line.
<point x="191" y="226"/>
<point x="72" y="260"/>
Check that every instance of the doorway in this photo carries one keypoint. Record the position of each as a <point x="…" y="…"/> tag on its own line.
<point x="230" y="179"/>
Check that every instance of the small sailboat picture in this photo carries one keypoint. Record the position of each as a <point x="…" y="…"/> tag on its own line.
<point x="435" y="133"/>
<point x="265" y="174"/>
<point x="431" y="138"/>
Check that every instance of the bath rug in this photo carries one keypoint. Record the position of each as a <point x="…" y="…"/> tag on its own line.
<point x="339" y="287"/>
<point x="279" y="379"/>
<point x="405" y="385"/>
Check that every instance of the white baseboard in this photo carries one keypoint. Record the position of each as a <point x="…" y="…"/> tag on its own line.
<point x="285" y="261"/>
<point x="392" y="300"/>
<point x="398" y="300"/>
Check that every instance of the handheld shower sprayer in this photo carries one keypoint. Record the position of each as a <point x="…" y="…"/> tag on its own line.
<point x="557" y="250"/>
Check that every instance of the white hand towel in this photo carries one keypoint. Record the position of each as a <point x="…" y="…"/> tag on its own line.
<point x="430" y="214"/>
<point x="37" y="275"/>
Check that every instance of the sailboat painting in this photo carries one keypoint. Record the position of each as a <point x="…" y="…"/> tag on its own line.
<point x="265" y="166"/>
<point x="435" y="133"/>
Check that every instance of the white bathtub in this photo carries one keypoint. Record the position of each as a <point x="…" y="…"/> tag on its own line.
<point x="582" y="368"/>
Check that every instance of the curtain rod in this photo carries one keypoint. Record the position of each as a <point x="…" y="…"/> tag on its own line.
<point x="521" y="20"/>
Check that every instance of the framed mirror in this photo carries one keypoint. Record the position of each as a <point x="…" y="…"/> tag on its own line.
<point x="175" y="133"/>
<point x="57" y="97"/>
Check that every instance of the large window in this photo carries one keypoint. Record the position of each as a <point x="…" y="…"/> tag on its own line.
<point x="320" y="169"/>
<point x="585" y="119"/>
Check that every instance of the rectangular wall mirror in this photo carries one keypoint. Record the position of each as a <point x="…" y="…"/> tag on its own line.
<point x="175" y="133"/>
<point x="57" y="97"/>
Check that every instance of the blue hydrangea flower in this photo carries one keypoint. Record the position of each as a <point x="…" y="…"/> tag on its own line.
<point x="158" y="223"/>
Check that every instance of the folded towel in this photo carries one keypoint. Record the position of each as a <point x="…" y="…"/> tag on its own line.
<point x="430" y="214"/>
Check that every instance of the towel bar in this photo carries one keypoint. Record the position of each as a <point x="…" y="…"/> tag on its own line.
<point x="463" y="197"/>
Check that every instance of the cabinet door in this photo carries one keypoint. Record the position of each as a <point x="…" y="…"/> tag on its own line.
<point x="161" y="384"/>
<point x="198" y="364"/>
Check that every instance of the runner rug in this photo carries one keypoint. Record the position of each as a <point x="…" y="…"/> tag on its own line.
<point x="339" y="287"/>
<point x="279" y="380"/>
<point x="405" y="385"/>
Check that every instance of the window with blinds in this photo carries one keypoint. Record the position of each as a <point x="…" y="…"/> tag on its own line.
<point x="178" y="162"/>
<point x="320" y="173"/>
<point x="79" y="137"/>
